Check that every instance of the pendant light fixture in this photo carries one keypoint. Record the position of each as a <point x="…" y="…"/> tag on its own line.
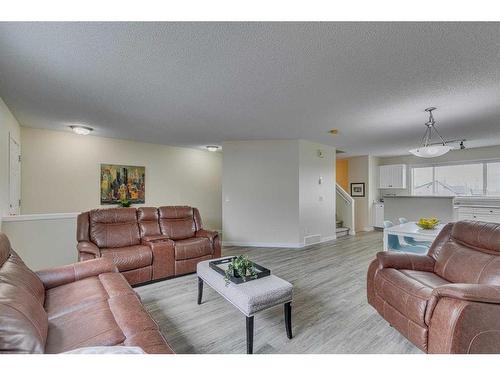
<point x="427" y="148"/>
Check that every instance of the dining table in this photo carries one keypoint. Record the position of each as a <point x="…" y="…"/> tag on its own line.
<point x="411" y="229"/>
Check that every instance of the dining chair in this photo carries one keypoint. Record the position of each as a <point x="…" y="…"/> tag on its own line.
<point x="411" y="240"/>
<point x="394" y="244"/>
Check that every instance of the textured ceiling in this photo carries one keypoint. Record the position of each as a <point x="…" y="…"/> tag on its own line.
<point x="195" y="84"/>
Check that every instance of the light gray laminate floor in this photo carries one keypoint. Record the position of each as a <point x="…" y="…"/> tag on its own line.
<point x="330" y="312"/>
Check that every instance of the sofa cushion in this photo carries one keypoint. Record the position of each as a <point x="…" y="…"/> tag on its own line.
<point x="93" y="325"/>
<point x="148" y="221"/>
<point x="128" y="258"/>
<point x="138" y="275"/>
<point x="114" y="227"/>
<point x="13" y="271"/>
<point x="16" y="273"/>
<point x="407" y="291"/>
<point x="177" y="222"/>
<point x="192" y="248"/>
<point x="74" y="296"/>
<point x="479" y="267"/>
<point x="480" y="235"/>
<point x="23" y="321"/>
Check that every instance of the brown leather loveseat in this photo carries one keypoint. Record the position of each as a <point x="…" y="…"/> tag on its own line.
<point x="447" y="301"/>
<point x="147" y="243"/>
<point x="70" y="307"/>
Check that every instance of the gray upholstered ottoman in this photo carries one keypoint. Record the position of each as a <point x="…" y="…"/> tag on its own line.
<point x="250" y="297"/>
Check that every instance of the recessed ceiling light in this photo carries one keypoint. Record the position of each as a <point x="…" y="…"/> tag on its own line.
<point x="212" y="148"/>
<point x="81" y="130"/>
<point x="333" y="131"/>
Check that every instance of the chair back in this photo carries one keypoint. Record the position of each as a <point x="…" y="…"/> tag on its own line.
<point x="468" y="252"/>
<point x="388" y="224"/>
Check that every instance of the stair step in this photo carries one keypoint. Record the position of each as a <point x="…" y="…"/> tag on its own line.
<point x="342" y="231"/>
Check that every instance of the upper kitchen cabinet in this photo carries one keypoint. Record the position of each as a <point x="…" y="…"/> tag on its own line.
<point x="392" y="176"/>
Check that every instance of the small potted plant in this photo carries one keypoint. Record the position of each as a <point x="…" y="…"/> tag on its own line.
<point x="124" y="202"/>
<point x="240" y="266"/>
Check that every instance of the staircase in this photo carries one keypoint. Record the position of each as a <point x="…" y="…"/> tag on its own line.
<point x="340" y="229"/>
<point x="344" y="215"/>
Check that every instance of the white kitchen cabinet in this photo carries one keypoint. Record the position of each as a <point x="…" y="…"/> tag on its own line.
<point x="378" y="215"/>
<point x="489" y="214"/>
<point x="392" y="176"/>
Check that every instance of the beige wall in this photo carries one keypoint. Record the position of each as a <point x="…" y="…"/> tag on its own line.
<point x="60" y="173"/>
<point x="359" y="172"/>
<point x="364" y="169"/>
<point x="316" y="201"/>
<point x="260" y="190"/>
<point x="271" y="194"/>
<point x="8" y="125"/>
<point x="43" y="243"/>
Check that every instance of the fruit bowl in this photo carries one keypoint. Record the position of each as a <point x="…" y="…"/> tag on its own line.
<point x="427" y="223"/>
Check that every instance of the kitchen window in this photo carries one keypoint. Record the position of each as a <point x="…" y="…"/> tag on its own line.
<point x="466" y="179"/>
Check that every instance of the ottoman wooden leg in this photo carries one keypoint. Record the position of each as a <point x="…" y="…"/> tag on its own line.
<point x="288" y="319"/>
<point x="249" y="334"/>
<point x="200" y="290"/>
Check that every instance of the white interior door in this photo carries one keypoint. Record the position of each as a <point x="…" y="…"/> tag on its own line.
<point x="14" y="177"/>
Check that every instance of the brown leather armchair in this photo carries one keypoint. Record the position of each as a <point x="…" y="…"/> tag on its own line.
<point x="69" y="307"/>
<point x="447" y="301"/>
<point x="148" y="243"/>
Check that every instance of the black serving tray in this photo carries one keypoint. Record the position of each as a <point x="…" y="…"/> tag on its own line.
<point x="261" y="271"/>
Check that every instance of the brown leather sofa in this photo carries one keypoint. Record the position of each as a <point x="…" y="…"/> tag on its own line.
<point x="147" y="243"/>
<point x="69" y="307"/>
<point x="447" y="301"/>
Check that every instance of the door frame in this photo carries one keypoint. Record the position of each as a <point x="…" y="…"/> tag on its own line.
<point x="12" y="210"/>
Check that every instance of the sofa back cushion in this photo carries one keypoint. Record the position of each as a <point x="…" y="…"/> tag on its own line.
<point x="83" y="227"/>
<point x="177" y="222"/>
<point x="23" y="320"/>
<point x="148" y="221"/>
<point x="114" y="227"/>
<point x="471" y="254"/>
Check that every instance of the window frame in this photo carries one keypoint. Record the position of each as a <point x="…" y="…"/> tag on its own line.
<point x="484" y="163"/>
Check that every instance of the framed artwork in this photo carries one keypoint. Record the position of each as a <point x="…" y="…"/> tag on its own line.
<point x="357" y="189"/>
<point x="122" y="182"/>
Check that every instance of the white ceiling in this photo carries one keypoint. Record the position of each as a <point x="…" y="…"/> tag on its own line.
<point x="195" y="84"/>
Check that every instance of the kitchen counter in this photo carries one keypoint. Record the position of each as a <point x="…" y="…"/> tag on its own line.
<point x="413" y="208"/>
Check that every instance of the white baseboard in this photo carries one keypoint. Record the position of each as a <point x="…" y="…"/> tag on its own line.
<point x="263" y="244"/>
<point x="368" y="229"/>
<point x="297" y="245"/>
<point x="328" y="238"/>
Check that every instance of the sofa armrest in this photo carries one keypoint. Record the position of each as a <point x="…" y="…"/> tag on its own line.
<point x="469" y="292"/>
<point x="163" y="250"/>
<point x="57" y="276"/>
<point x="463" y="292"/>
<point x="210" y="234"/>
<point x="387" y="259"/>
<point x="155" y="238"/>
<point x="463" y="318"/>
<point x="89" y="248"/>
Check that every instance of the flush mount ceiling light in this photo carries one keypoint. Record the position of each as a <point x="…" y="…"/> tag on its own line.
<point x="212" y="148"/>
<point x="427" y="149"/>
<point x="81" y="130"/>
